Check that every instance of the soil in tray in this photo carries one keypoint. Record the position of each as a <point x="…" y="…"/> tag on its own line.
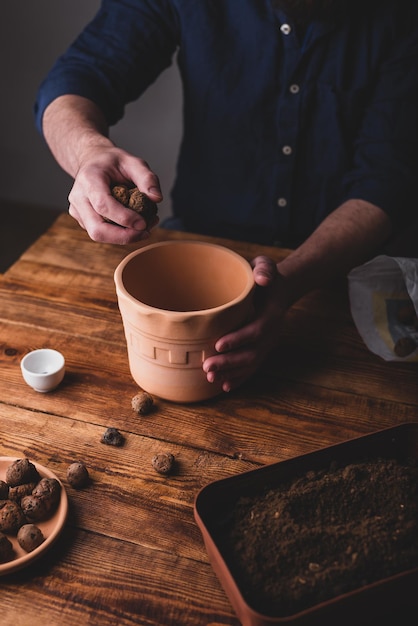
<point x="324" y="534"/>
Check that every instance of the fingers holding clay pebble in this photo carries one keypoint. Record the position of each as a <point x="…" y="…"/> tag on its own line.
<point x="137" y="201"/>
<point x="121" y="194"/>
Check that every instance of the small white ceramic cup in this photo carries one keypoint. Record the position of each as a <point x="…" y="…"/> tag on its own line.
<point x="43" y="369"/>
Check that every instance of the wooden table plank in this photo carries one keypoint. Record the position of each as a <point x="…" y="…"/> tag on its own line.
<point x="327" y="386"/>
<point x="91" y="580"/>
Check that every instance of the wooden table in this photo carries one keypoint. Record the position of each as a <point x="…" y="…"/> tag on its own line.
<point x="131" y="552"/>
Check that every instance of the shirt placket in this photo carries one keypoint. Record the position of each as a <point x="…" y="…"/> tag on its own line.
<point x="287" y="120"/>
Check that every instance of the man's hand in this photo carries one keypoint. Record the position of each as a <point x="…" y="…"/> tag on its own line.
<point x="92" y="203"/>
<point x="77" y="134"/>
<point x="350" y="235"/>
<point x="243" y="351"/>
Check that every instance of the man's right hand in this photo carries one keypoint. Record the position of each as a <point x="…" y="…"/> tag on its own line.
<point x="77" y="135"/>
<point x="92" y="203"/>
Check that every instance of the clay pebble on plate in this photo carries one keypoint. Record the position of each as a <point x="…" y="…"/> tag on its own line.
<point x="25" y="502"/>
<point x="11" y="517"/>
<point x="42" y="501"/>
<point x="29" y="497"/>
<point x="49" y="491"/>
<point x="17" y="493"/>
<point x="21" y="471"/>
<point x="29" y="537"/>
<point x="34" y="509"/>
<point x="138" y="201"/>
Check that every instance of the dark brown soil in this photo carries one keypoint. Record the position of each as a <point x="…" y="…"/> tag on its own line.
<point x="324" y="534"/>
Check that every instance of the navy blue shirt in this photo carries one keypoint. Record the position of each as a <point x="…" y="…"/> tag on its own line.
<point x="280" y="126"/>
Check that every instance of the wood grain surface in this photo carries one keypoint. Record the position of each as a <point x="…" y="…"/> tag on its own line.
<point x="131" y="552"/>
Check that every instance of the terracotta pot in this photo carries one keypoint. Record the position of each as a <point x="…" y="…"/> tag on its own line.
<point x="176" y="299"/>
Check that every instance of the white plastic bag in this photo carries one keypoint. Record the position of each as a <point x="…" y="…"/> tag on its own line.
<point x="384" y="304"/>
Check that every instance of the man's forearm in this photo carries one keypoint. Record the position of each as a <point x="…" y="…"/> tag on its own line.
<point x="349" y="236"/>
<point x="72" y="125"/>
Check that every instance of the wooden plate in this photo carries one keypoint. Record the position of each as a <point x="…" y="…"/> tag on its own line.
<point x="51" y="528"/>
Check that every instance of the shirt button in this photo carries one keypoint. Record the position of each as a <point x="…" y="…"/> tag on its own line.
<point x="282" y="202"/>
<point x="294" y="88"/>
<point x="285" y="28"/>
<point x="287" y="150"/>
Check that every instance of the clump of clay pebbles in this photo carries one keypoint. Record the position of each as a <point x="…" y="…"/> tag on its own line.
<point x="42" y="501"/>
<point x="11" y="517"/>
<point x="25" y="499"/>
<point x="78" y="475"/>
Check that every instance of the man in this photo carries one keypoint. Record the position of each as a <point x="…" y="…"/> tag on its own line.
<point x="300" y="129"/>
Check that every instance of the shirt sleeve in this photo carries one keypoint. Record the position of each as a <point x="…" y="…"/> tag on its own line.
<point x="115" y="58"/>
<point x="385" y="162"/>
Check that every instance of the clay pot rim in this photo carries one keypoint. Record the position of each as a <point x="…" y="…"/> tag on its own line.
<point x="180" y="314"/>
